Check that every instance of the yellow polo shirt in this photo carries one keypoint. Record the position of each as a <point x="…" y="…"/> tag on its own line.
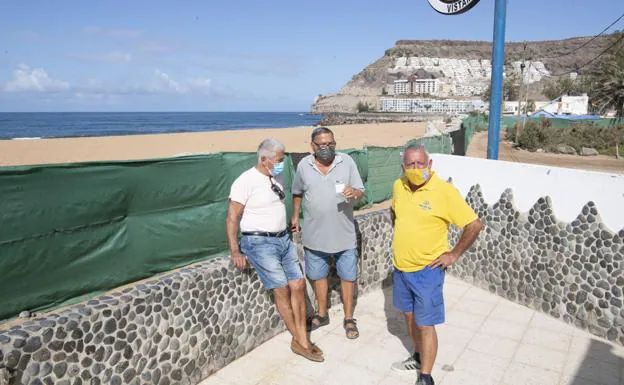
<point x="422" y="220"/>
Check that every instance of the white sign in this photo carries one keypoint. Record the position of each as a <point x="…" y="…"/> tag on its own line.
<point x="452" y="7"/>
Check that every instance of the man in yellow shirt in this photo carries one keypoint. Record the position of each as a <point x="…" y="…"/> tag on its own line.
<point x="423" y="206"/>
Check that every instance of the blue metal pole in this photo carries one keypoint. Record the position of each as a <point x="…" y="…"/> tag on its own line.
<point x="496" y="88"/>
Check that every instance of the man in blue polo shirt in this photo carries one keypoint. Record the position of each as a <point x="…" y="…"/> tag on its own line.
<point x="329" y="184"/>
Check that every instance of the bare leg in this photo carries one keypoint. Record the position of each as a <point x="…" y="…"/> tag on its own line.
<point x="297" y="301"/>
<point x="428" y="347"/>
<point x="320" y="290"/>
<point x="284" y="307"/>
<point x="412" y="330"/>
<point x="347" y="287"/>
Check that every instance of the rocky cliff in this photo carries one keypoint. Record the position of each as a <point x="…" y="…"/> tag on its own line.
<point x="462" y="68"/>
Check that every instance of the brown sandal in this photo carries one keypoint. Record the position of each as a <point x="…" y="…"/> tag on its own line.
<point x="309" y="353"/>
<point x="317" y="321"/>
<point x="351" y="328"/>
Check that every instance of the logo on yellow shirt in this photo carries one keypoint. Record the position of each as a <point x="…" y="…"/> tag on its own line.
<point x="425" y="205"/>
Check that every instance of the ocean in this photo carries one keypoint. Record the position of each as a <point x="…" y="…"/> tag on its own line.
<point x="36" y="125"/>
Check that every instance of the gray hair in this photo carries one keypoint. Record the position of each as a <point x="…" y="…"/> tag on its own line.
<point x="415" y="147"/>
<point x="319" y="131"/>
<point x="269" y="147"/>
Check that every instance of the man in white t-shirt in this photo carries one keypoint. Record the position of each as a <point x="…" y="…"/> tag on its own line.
<point x="257" y="207"/>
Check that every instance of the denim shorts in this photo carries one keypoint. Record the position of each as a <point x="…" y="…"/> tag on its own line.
<point x="275" y="259"/>
<point x="317" y="264"/>
<point x="420" y="292"/>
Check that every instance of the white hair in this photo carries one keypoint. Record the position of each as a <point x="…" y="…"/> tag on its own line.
<point x="268" y="148"/>
<point x="415" y="147"/>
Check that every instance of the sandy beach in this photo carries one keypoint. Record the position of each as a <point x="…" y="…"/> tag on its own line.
<point x="297" y="139"/>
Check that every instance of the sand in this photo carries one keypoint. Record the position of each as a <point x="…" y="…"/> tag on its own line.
<point x="297" y="139"/>
<point x="44" y="151"/>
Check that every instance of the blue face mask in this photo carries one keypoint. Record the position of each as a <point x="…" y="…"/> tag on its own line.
<point x="277" y="169"/>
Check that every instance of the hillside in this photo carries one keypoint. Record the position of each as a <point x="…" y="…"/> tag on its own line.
<point x="461" y="67"/>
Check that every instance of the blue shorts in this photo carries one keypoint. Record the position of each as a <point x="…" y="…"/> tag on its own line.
<point x="317" y="264"/>
<point x="421" y="293"/>
<point x="275" y="259"/>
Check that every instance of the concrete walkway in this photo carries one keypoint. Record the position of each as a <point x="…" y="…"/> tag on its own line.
<point x="486" y="340"/>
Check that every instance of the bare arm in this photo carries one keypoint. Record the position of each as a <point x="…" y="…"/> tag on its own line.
<point x="294" y="221"/>
<point x="235" y="211"/>
<point x="470" y="233"/>
<point x="392" y="216"/>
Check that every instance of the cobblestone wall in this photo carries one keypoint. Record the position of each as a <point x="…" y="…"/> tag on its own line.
<point x="181" y="327"/>
<point x="175" y="329"/>
<point x="571" y="271"/>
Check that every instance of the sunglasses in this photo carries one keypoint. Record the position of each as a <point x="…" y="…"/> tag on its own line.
<point x="277" y="190"/>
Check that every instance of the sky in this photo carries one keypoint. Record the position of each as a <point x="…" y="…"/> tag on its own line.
<point x="209" y="55"/>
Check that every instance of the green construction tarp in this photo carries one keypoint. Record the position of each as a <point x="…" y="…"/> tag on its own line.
<point x="384" y="167"/>
<point x="69" y="230"/>
<point x="78" y="228"/>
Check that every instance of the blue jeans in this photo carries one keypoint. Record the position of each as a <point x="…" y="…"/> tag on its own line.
<point x="317" y="264"/>
<point x="420" y="292"/>
<point x="275" y="259"/>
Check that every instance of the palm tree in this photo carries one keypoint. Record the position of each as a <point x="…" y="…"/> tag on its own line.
<point x="609" y="85"/>
<point x="608" y="91"/>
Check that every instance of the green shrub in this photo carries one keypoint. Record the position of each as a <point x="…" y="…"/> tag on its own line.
<point x="532" y="137"/>
<point x="510" y="133"/>
<point x="363" y="107"/>
<point x="541" y="134"/>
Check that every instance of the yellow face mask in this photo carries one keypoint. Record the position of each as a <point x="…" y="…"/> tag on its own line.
<point x="417" y="176"/>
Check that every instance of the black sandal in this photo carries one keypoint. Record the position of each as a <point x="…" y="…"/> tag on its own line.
<point x="351" y="328"/>
<point x="320" y="321"/>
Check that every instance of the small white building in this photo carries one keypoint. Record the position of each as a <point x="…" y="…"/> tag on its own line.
<point x="568" y="105"/>
<point x="511" y="107"/>
<point x="402" y="87"/>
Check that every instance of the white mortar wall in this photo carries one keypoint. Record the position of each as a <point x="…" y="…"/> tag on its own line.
<point x="568" y="189"/>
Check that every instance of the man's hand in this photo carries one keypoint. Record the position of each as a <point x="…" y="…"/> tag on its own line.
<point x="445" y="260"/>
<point x="239" y="260"/>
<point x="294" y="225"/>
<point x="351" y="193"/>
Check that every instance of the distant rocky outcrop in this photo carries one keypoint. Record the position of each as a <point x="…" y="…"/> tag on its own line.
<point x="462" y="68"/>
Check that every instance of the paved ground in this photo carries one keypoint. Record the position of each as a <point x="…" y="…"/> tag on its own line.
<point x="486" y="340"/>
<point x="478" y="149"/>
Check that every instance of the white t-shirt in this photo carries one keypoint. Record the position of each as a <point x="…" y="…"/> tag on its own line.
<point x="264" y="211"/>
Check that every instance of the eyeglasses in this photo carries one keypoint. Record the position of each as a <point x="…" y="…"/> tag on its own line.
<point x="328" y="144"/>
<point x="277" y="190"/>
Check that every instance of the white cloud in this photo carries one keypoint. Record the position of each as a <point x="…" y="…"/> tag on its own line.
<point x="165" y="83"/>
<point x="26" y="79"/>
<point x="37" y="80"/>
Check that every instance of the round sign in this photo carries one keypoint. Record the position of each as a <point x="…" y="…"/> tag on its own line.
<point x="452" y="7"/>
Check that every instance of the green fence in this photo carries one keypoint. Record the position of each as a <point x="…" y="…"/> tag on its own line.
<point x="74" y="229"/>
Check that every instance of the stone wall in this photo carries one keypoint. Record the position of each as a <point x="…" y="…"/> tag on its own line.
<point x="571" y="271"/>
<point x="177" y="328"/>
<point x="180" y="327"/>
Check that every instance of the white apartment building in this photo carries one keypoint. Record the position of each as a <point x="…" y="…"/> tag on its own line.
<point x="425" y="86"/>
<point x="416" y="86"/>
<point x="402" y="87"/>
<point x="415" y="105"/>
